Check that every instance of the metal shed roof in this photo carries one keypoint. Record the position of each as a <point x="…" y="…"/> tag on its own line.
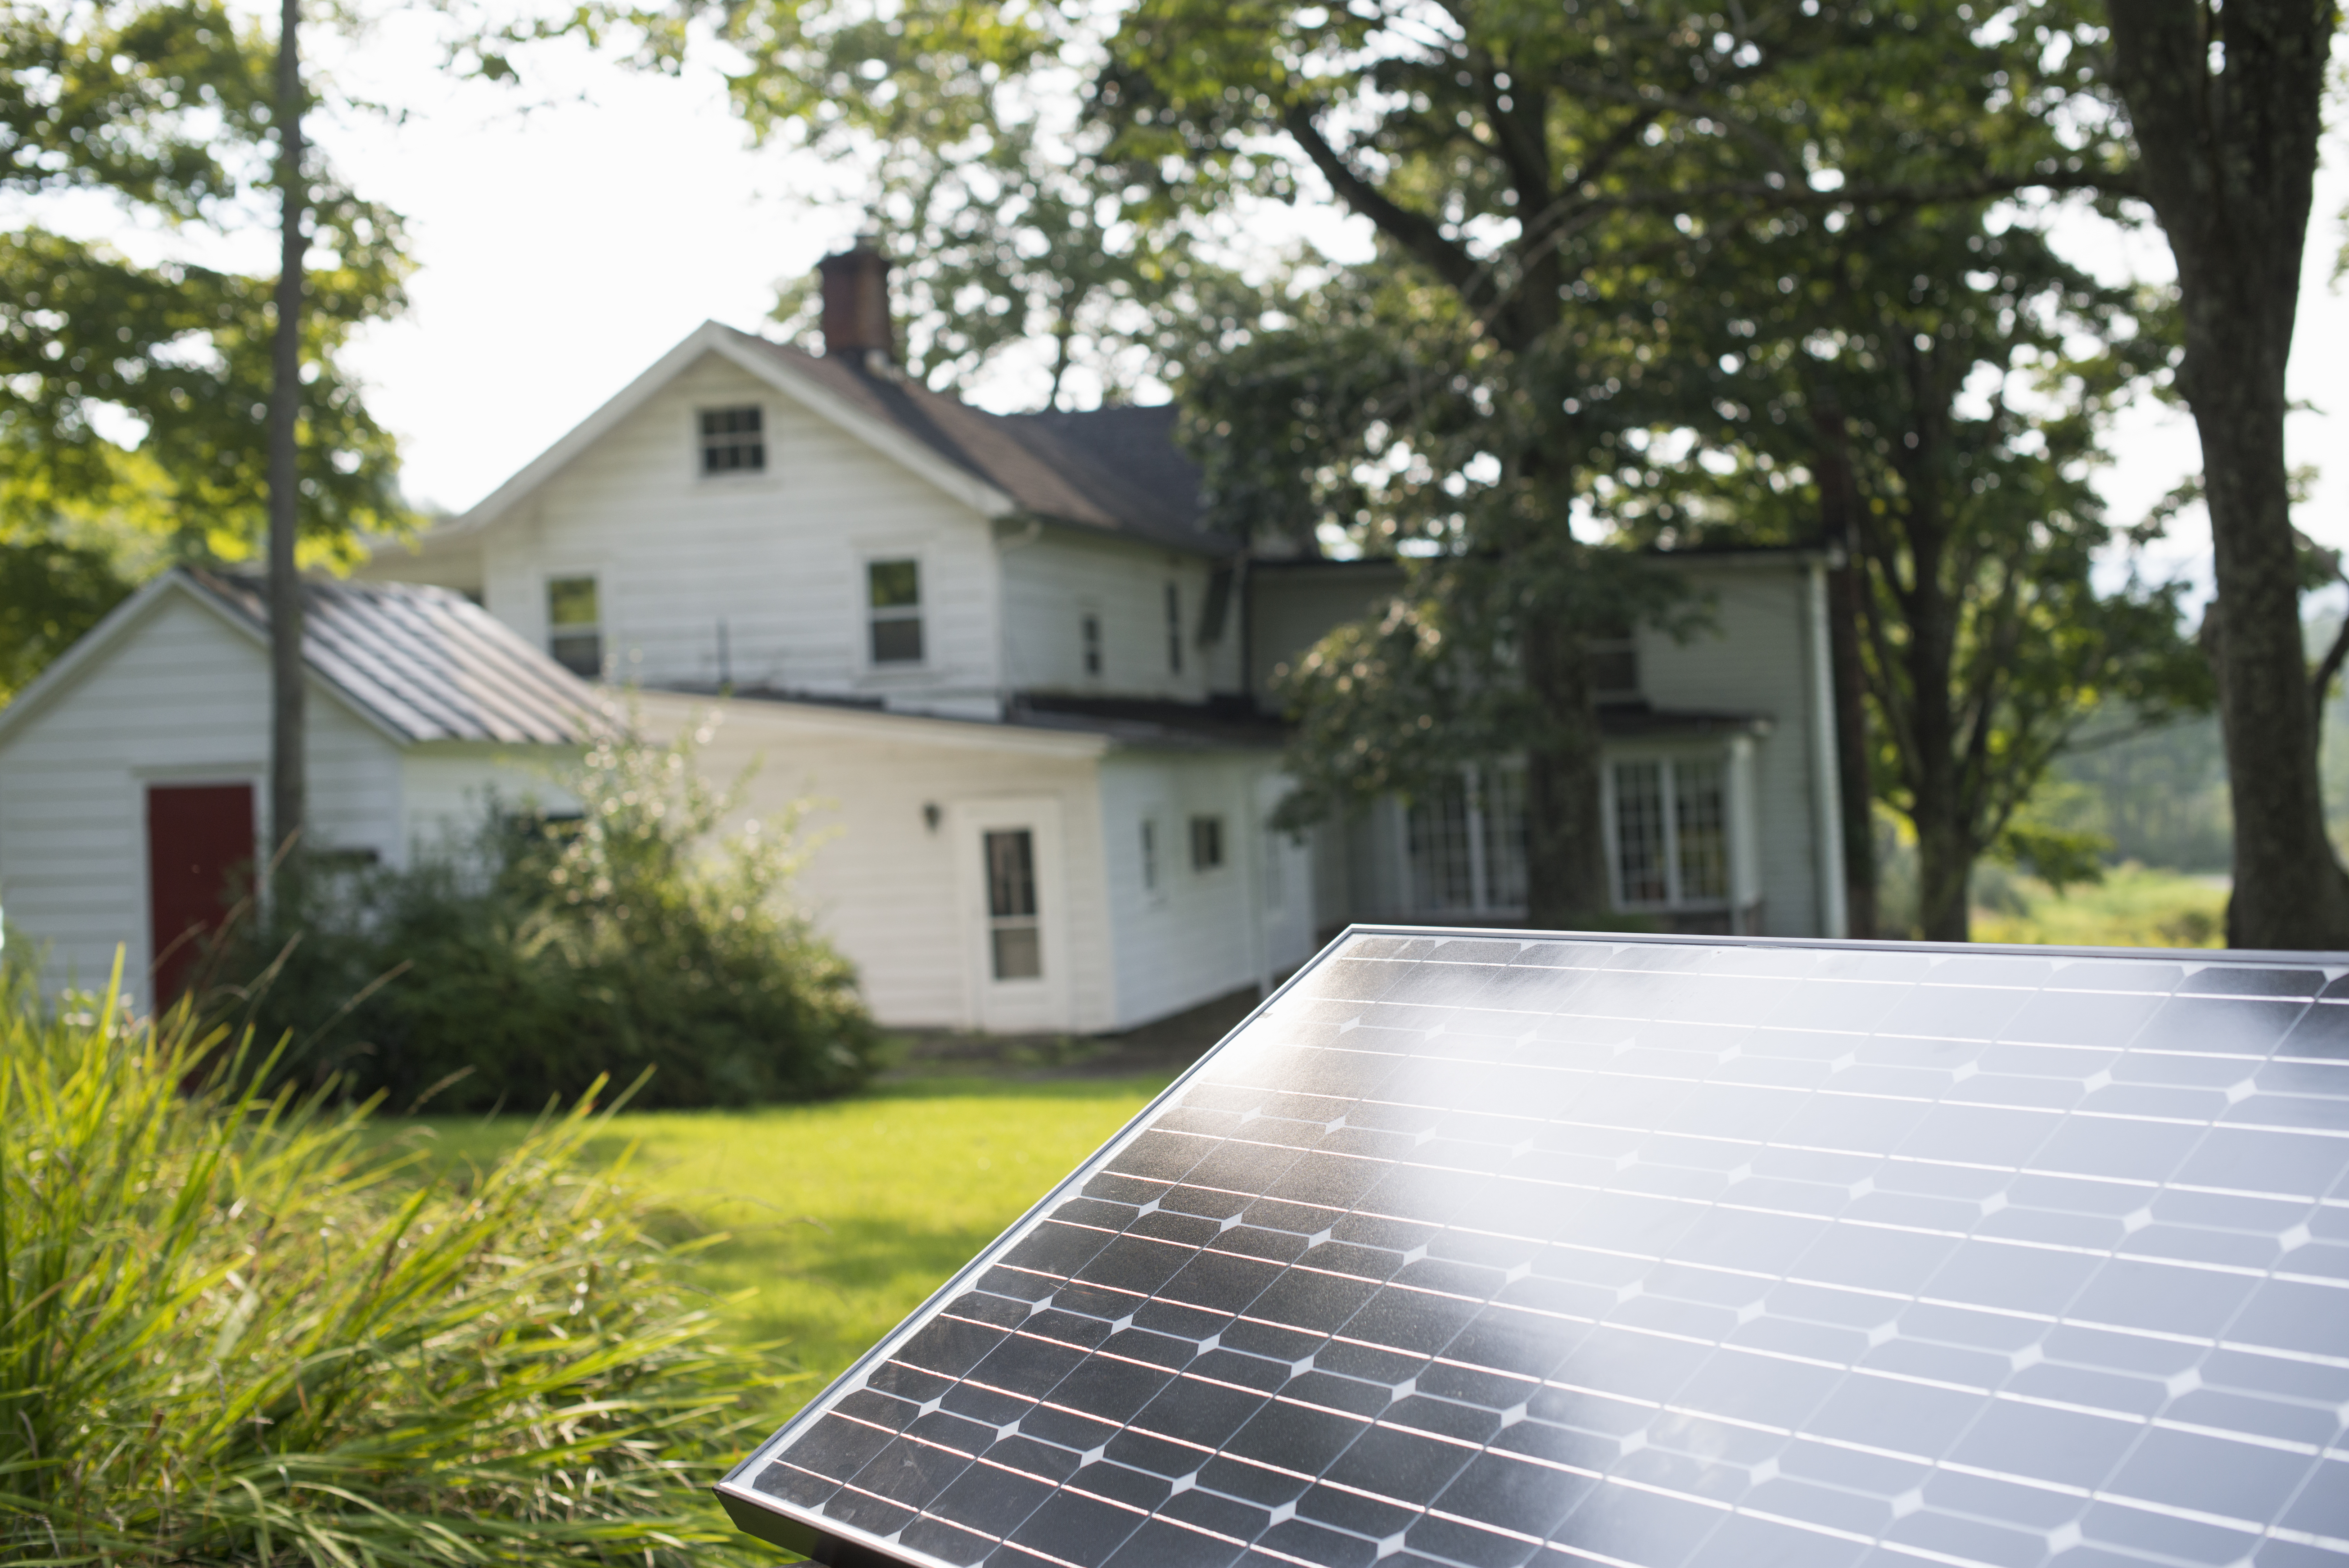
<point x="427" y="661"/>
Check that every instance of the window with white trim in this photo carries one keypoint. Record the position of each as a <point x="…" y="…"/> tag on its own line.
<point x="733" y="440"/>
<point x="574" y="625"/>
<point x="1206" y="843"/>
<point x="1015" y="935"/>
<point x="1465" y="844"/>
<point x="893" y="591"/>
<point x="1173" y="629"/>
<point x="1671" y="833"/>
<point x="1668" y="834"/>
<point x="1090" y="631"/>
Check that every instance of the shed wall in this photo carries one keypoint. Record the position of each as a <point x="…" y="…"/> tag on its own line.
<point x="183" y="699"/>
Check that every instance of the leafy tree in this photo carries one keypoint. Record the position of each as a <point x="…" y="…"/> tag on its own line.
<point x="1968" y="450"/>
<point x="132" y="395"/>
<point x="1566" y="185"/>
<point x="2226" y="103"/>
<point x="1377" y="415"/>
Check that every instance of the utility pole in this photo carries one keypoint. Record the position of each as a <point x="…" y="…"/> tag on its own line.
<point x="287" y="790"/>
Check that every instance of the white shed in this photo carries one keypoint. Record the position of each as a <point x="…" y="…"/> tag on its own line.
<point x="132" y="773"/>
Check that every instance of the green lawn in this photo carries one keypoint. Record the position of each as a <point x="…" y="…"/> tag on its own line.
<point x="2134" y="906"/>
<point x="838" y="1219"/>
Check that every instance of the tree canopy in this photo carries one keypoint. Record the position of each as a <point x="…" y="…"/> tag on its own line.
<point x="132" y="392"/>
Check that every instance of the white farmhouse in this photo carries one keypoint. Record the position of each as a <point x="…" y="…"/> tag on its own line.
<point x="1028" y="694"/>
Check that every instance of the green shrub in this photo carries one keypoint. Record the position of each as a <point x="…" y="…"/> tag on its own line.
<point x="246" y="1330"/>
<point x="545" y="955"/>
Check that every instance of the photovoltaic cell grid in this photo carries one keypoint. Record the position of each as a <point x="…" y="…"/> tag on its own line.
<point x="1489" y="1252"/>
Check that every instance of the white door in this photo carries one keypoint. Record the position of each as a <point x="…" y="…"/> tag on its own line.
<point x="1014" y="896"/>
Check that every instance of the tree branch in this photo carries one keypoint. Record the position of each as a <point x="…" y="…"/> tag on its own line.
<point x="1416" y="232"/>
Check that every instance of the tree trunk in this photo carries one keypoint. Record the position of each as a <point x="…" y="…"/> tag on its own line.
<point x="286" y="690"/>
<point x="2228" y="161"/>
<point x="1945" y="871"/>
<point x="1565" y="840"/>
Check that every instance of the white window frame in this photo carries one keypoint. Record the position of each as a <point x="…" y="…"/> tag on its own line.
<point x="1725" y="758"/>
<point x="1222" y="835"/>
<point x="1171" y="601"/>
<point x="1093" y="643"/>
<point x="703" y="474"/>
<point x="1150" y="853"/>
<point x="603" y="626"/>
<point x="924" y="578"/>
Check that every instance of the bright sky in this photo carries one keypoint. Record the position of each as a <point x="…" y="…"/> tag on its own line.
<point x="564" y="248"/>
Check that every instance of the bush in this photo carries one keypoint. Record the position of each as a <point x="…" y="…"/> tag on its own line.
<point x="246" y="1330"/>
<point x="545" y="955"/>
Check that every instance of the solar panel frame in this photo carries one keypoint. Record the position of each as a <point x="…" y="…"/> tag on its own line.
<point x="845" y="1545"/>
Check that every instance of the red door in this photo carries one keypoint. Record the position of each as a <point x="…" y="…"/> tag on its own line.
<point x="198" y="837"/>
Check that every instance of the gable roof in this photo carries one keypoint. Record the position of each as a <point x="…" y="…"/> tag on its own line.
<point x="1106" y="469"/>
<point x="1083" y="471"/>
<point x="419" y="663"/>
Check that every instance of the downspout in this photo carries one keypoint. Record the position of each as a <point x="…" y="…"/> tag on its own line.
<point x="1259" y="945"/>
<point x="1827" y="794"/>
<point x="1004" y="545"/>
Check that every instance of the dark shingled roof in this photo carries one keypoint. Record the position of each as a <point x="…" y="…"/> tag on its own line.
<point x="1117" y="469"/>
<point x="429" y="662"/>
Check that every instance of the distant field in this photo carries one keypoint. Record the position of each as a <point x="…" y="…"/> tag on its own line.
<point x="840" y="1218"/>
<point x="2134" y="906"/>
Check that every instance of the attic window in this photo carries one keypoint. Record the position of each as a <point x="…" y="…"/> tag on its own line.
<point x="894" y="591"/>
<point x="733" y="440"/>
<point x="574" y="626"/>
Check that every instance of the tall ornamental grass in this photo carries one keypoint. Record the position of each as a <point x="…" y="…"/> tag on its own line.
<point x="239" y="1329"/>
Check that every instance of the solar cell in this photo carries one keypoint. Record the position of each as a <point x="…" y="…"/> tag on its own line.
<point x="1488" y="1250"/>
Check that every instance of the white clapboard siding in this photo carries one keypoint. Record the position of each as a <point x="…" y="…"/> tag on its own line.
<point x="1196" y="934"/>
<point x="182" y="699"/>
<point x="1757" y="658"/>
<point x="776" y="558"/>
<point x="1292" y="605"/>
<point x="880" y="882"/>
<point x="448" y="788"/>
<point x="1054" y="577"/>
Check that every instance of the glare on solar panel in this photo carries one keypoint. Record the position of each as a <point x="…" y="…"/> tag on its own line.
<point x="1495" y="1250"/>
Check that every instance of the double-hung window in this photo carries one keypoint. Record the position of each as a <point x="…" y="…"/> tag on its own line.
<point x="893" y="591"/>
<point x="1671" y="833"/>
<point x="574" y="625"/>
<point x="733" y="440"/>
<point x="1090" y="625"/>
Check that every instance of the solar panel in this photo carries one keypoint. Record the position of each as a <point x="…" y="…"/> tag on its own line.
<point x="1495" y="1251"/>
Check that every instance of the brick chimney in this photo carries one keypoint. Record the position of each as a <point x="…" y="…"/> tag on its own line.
<point x="856" y="325"/>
